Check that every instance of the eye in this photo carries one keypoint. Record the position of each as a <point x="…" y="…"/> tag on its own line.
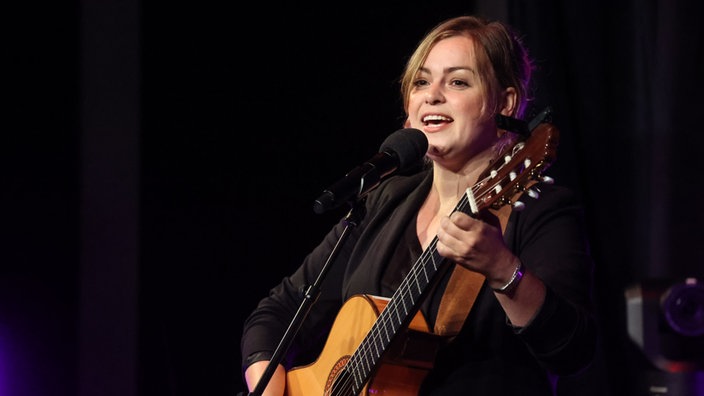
<point x="419" y="82"/>
<point x="459" y="83"/>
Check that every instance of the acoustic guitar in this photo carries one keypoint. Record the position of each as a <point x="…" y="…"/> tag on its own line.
<point x="383" y="346"/>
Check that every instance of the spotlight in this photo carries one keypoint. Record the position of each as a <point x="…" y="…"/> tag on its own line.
<point x="683" y="306"/>
<point x="666" y="320"/>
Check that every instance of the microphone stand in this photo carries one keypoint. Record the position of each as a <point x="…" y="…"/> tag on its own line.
<point x="310" y="296"/>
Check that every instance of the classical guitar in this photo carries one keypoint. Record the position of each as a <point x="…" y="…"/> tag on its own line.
<point x="384" y="346"/>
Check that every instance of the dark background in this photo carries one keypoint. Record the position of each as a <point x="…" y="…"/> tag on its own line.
<point x="161" y="160"/>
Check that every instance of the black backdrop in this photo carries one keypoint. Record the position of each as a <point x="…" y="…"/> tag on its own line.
<point x="164" y="157"/>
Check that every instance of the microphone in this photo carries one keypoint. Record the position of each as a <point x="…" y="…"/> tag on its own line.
<point x="399" y="153"/>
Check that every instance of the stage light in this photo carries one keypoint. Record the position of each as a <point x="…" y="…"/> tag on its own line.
<point x="666" y="321"/>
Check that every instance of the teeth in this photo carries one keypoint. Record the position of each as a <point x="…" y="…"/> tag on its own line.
<point x="435" y="117"/>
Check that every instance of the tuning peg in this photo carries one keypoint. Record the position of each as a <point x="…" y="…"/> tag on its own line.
<point x="533" y="193"/>
<point x="547" y="179"/>
<point x="518" y="206"/>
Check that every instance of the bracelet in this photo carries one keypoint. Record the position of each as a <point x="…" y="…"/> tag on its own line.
<point x="511" y="285"/>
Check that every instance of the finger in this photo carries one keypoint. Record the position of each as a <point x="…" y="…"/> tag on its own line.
<point x="447" y="236"/>
<point x="456" y="240"/>
<point x="463" y="222"/>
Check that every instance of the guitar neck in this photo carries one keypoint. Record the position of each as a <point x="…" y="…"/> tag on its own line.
<point x="400" y="310"/>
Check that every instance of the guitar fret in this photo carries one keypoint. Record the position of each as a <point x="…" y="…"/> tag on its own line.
<point x="436" y="258"/>
<point x="355" y="375"/>
<point x="418" y="286"/>
<point x="407" y="289"/>
<point x="358" y="380"/>
<point x="407" y="302"/>
<point x="405" y="309"/>
<point x="425" y="272"/>
<point x="358" y="387"/>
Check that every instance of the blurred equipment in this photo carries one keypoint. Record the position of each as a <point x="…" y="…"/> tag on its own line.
<point x="666" y="321"/>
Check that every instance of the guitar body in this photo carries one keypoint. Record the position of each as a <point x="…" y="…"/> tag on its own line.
<point x="400" y="372"/>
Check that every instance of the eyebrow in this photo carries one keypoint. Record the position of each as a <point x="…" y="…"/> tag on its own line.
<point x="450" y="69"/>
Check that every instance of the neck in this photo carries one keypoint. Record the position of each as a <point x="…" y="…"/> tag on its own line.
<point x="449" y="185"/>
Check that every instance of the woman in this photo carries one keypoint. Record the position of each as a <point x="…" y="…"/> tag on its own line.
<point x="531" y="318"/>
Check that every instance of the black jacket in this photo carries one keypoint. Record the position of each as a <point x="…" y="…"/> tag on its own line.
<point x="488" y="356"/>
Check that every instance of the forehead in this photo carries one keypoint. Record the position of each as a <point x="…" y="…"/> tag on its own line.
<point x="455" y="51"/>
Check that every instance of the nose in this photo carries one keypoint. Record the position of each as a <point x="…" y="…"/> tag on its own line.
<point x="433" y="95"/>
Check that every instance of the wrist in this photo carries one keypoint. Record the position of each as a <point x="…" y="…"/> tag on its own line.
<point x="509" y="287"/>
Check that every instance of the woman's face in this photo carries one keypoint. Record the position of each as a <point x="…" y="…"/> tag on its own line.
<point x="448" y="101"/>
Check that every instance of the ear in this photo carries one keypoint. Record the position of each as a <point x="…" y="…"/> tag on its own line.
<point x="508" y="101"/>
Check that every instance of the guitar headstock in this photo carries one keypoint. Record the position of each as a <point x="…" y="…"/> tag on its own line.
<point x="517" y="168"/>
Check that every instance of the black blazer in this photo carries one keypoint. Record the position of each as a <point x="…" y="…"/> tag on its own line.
<point x="489" y="356"/>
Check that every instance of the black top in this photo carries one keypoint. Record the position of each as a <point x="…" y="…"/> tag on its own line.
<point x="489" y="356"/>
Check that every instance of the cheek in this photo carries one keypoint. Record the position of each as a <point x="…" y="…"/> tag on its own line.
<point x="414" y="102"/>
<point x="472" y="106"/>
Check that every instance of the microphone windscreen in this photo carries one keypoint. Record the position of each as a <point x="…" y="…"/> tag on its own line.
<point x="409" y="145"/>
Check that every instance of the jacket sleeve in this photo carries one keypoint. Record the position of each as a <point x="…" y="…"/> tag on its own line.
<point x="554" y="246"/>
<point x="266" y="325"/>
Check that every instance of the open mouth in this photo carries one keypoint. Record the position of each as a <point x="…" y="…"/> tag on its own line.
<point x="435" y="119"/>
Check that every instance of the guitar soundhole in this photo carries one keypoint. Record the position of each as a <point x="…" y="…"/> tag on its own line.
<point x="333" y="382"/>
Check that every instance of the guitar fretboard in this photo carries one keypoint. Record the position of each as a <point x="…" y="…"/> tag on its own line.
<point x="403" y="305"/>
